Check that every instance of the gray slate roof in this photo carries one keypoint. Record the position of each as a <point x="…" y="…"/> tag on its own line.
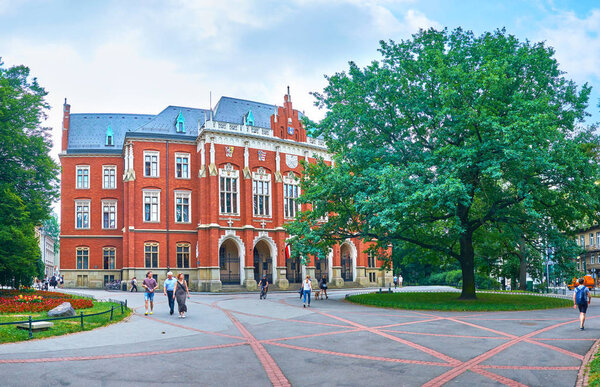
<point x="165" y="121"/>
<point x="87" y="131"/>
<point x="233" y="110"/>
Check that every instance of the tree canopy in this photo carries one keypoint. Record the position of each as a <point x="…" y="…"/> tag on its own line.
<point x="447" y="143"/>
<point x="28" y="177"/>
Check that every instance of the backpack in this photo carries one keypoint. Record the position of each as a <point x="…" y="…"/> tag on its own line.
<point x="580" y="295"/>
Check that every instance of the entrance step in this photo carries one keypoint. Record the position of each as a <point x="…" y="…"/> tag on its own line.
<point x="233" y="288"/>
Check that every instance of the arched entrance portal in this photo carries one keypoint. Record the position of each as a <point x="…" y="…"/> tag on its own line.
<point x="346" y="261"/>
<point x="293" y="271"/>
<point x="229" y="262"/>
<point x="263" y="262"/>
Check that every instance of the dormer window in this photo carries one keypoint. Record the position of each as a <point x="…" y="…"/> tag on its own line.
<point x="249" y="119"/>
<point x="180" y="125"/>
<point x="109" y="137"/>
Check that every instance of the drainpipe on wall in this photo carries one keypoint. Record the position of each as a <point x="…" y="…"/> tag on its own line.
<point x="168" y="208"/>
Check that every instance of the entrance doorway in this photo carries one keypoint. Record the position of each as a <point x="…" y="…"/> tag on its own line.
<point x="229" y="263"/>
<point x="263" y="263"/>
<point x="346" y="262"/>
<point x="293" y="271"/>
<point x="321" y="268"/>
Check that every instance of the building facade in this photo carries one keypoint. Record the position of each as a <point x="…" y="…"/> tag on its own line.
<point x="49" y="258"/>
<point x="589" y="241"/>
<point x="204" y="192"/>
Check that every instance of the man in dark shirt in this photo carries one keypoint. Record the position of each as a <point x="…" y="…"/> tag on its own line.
<point x="264" y="285"/>
<point x="149" y="285"/>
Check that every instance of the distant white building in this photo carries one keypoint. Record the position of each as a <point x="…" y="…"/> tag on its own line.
<point x="49" y="258"/>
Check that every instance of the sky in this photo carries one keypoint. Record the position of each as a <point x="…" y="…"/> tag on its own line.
<point x="141" y="56"/>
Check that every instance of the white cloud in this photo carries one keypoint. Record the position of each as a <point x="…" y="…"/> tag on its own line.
<point x="576" y="41"/>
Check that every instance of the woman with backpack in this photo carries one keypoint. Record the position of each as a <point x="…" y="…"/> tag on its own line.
<point x="581" y="299"/>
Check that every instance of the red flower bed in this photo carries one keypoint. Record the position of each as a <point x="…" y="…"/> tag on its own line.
<point x="18" y="303"/>
<point x="15" y="292"/>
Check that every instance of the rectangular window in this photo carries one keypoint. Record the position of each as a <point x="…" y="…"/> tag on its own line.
<point x="229" y="195"/>
<point x="183" y="255"/>
<point x="371" y="259"/>
<point x="82" y="214"/>
<point x="151" y="164"/>
<point x="108" y="258"/>
<point x="109" y="174"/>
<point x="598" y="239"/>
<point x="151" y="254"/>
<point x="108" y="279"/>
<point x="83" y="254"/>
<point x="582" y="241"/>
<point x="182" y="207"/>
<point x="261" y="193"/>
<point x="182" y="166"/>
<point x="109" y="214"/>
<point x="151" y="206"/>
<point x="592" y="259"/>
<point x="290" y="200"/>
<point x="83" y="177"/>
<point x="591" y="239"/>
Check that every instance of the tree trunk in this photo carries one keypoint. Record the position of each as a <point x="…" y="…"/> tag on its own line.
<point x="467" y="264"/>
<point x="522" y="266"/>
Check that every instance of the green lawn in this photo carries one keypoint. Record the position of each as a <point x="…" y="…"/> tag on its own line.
<point x="450" y="302"/>
<point x="9" y="333"/>
<point x="594" y="371"/>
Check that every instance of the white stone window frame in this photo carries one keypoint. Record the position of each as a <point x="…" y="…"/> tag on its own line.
<point x="82" y="167"/>
<point x="107" y="168"/>
<point x="152" y="153"/>
<point x="150" y="193"/>
<point x="87" y="250"/>
<point x="108" y="202"/>
<point x="592" y="242"/>
<point x="83" y="202"/>
<point x="291" y="179"/>
<point x="189" y="165"/>
<point x="152" y="244"/>
<point x="188" y="195"/>
<point x="263" y="176"/>
<point x="230" y="172"/>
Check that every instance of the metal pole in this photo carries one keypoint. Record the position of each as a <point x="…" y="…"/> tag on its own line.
<point x="81" y="320"/>
<point x="30" y="331"/>
<point x="112" y="308"/>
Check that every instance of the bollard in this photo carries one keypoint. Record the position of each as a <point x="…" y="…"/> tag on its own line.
<point x="121" y="307"/>
<point x="81" y="320"/>
<point x="30" y="331"/>
<point x="126" y="303"/>
<point x="389" y="290"/>
<point x="112" y="308"/>
<point x="379" y="290"/>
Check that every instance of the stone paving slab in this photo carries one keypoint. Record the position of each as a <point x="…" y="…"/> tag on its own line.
<point x="237" y="339"/>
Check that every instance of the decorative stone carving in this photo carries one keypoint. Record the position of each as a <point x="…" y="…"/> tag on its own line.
<point x="291" y="161"/>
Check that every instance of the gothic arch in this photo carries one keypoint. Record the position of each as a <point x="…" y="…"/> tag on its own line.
<point x="272" y="247"/>
<point x="353" y="255"/>
<point x="230" y="235"/>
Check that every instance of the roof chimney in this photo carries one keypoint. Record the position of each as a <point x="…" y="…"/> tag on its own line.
<point x="65" y="125"/>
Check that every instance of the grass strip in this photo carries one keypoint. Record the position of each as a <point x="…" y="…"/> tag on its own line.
<point x="449" y="301"/>
<point x="10" y="333"/>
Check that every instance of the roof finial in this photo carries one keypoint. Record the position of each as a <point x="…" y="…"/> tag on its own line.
<point x="288" y="93"/>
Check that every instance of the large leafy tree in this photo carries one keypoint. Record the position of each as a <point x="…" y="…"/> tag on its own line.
<point x="448" y="140"/>
<point x="28" y="176"/>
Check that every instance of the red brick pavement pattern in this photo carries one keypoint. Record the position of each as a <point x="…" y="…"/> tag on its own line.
<point x="455" y="367"/>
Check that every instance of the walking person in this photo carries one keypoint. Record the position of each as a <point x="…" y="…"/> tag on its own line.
<point x="581" y="299"/>
<point x="181" y="291"/>
<point x="134" y="284"/>
<point x="306" y="289"/>
<point x="395" y="281"/>
<point x="169" y="288"/>
<point x="264" y="287"/>
<point x="400" y="279"/>
<point x="149" y="284"/>
<point x="323" y="287"/>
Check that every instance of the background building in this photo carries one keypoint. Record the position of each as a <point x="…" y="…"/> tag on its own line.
<point x="48" y="256"/>
<point x="587" y="262"/>
<point x="199" y="191"/>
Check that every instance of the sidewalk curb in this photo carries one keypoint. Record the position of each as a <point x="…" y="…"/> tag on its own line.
<point x="584" y="373"/>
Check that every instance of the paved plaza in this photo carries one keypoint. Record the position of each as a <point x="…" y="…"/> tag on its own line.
<point x="239" y="340"/>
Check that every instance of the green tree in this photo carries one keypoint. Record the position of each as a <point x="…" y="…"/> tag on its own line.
<point x="449" y="136"/>
<point x="28" y="176"/>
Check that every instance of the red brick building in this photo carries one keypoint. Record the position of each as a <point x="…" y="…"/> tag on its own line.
<point x="203" y="192"/>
